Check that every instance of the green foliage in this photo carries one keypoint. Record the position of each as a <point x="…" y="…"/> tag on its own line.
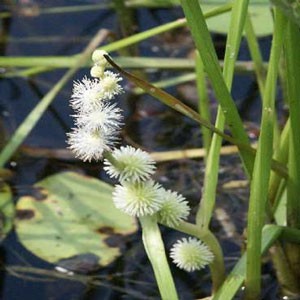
<point x="290" y="8"/>
<point x="237" y="276"/>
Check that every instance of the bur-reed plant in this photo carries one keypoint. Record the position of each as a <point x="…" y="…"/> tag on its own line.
<point x="94" y="137"/>
<point x="273" y="172"/>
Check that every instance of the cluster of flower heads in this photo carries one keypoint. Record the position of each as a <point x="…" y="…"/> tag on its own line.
<point x="137" y="194"/>
<point x="98" y="122"/>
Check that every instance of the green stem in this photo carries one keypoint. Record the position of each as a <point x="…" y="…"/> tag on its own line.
<point x="174" y="63"/>
<point x="236" y="277"/>
<point x="155" y="250"/>
<point x="262" y="167"/>
<point x="281" y="155"/>
<point x="253" y="45"/>
<point x="206" y="49"/>
<point x="67" y="61"/>
<point x="286" y="277"/>
<point x="127" y="25"/>
<point x="208" y="199"/>
<point x="288" y="281"/>
<point x="203" y="103"/>
<point x="291" y="235"/>
<point x="260" y="71"/>
<point x="154" y="247"/>
<point x="293" y="182"/>
<point x="293" y="79"/>
<point x="116" y="163"/>
<point x="207" y="204"/>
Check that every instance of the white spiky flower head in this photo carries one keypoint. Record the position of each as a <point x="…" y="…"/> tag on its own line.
<point x="138" y="199"/>
<point x="87" y="95"/>
<point x="110" y="86"/>
<point x="90" y="144"/>
<point x="105" y="117"/>
<point x="191" y="254"/>
<point x="134" y="165"/>
<point x="174" y="208"/>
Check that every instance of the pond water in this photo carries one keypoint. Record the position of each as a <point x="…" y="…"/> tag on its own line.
<point x="149" y="124"/>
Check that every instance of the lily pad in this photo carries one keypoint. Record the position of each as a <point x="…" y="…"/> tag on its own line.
<point x="259" y="11"/>
<point x="72" y="216"/>
<point x="7" y="210"/>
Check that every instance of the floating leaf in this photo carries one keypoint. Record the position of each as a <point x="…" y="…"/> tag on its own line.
<point x="7" y="210"/>
<point x="72" y="216"/>
<point x="259" y="11"/>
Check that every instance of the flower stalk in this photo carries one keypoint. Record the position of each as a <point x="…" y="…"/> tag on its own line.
<point x="217" y="267"/>
<point x="155" y="250"/>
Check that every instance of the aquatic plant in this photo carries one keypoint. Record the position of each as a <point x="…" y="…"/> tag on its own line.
<point x="272" y="166"/>
<point x="137" y="194"/>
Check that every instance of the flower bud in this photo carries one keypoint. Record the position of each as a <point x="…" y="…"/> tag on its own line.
<point x="99" y="59"/>
<point x="97" y="71"/>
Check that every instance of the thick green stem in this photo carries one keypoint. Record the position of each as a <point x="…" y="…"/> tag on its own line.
<point x="239" y="11"/>
<point x="155" y="250"/>
<point x="262" y="168"/>
<point x="236" y="277"/>
<point x="208" y="54"/>
<point x="67" y="61"/>
<point x="293" y="183"/>
<point x="260" y="71"/>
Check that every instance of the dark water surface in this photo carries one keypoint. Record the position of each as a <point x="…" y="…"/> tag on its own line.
<point x="149" y="125"/>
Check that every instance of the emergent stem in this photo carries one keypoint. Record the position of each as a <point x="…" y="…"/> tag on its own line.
<point x="155" y="250"/>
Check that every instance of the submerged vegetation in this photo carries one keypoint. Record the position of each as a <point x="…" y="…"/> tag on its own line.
<point x="81" y="223"/>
